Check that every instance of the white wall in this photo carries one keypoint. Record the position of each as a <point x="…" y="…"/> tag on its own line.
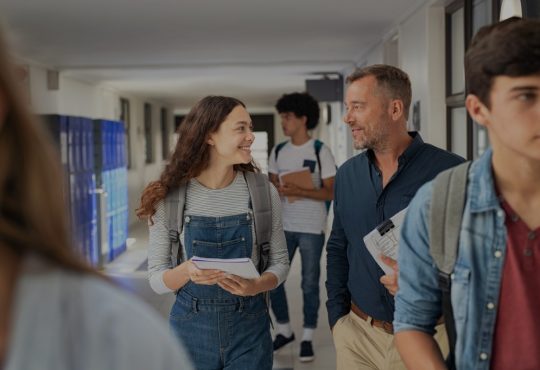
<point x="43" y="101"/>
<point x="436" y="72"/>
<point x="421" y="54"/>
<point x="413" y="60"/>
<point x="73" y="97"/>
<point x="375" y="56"/>
<point x="335" y="134"/>
<point x="344" y="145"/>
<point x="79" y="98"/>
<point x="421" y="50"/>
<point x="141" y="173"/>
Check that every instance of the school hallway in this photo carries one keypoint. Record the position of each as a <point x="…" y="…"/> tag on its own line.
<point x="142" y="97"/>
<point x="129" y="270"/>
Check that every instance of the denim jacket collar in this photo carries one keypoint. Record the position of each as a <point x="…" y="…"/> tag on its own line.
<point x="482" y="194"/>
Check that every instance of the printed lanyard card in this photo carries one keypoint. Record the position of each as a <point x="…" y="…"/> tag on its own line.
<point x="309" y="163"/>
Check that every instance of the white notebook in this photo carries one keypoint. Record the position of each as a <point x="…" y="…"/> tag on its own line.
<point x="242" y="267"/>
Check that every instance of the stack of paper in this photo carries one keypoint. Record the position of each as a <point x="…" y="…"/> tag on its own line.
<point x="242" y="267"/>
<point x="384" y="240"/>
<point x="300" y="178"/>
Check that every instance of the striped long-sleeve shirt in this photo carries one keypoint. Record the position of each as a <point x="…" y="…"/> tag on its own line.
<point x="202" y="201"/>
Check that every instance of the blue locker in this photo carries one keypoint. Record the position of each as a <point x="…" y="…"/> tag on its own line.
<point x="70" y="145"/>
<point x="73" y="144"/>
<point x="83" y="150"/>
<point x="90" y="144"/>
<point x="91" y="221"/>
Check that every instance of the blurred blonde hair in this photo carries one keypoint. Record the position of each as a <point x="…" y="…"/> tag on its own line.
<point x="33" y="215"/>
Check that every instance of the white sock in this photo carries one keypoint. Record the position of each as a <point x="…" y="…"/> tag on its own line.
<point x="308" y="334"/>
<point x="284" y="329"/>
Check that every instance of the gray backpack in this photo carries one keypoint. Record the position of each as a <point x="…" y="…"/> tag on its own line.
<point x="261" y="203"/>
<point x="447" y="205"/>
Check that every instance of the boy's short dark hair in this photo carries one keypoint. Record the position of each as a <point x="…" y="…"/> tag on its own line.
<point x="393" y="81"/>
<point x="508" y="48"/>
<point x="301" y="104"/>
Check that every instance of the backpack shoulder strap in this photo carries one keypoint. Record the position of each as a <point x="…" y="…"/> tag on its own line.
<point x="259" y="192"/>
<point x="447" y="205"/>
<point x="174" y="211"/>
<point x="318" y="146"/>
<point x="278" y="148"/>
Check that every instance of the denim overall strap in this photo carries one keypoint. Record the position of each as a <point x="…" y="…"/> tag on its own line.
<point x="216" y="237"/>
<point x="219" y="329"/>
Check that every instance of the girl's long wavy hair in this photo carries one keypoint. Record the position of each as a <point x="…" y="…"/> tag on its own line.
<point x="33" y="216"/>
<point x="192" y="153"/>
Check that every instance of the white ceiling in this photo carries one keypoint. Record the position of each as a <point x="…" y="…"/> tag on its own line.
<point x="177" y="51"/>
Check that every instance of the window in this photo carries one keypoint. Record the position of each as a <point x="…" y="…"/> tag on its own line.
<point x="164" y="134"/>
<point x="457" y="123"/>
<point x="520" y="8"/>
<point x="125" y="118"/>
<point x="463" y="19"/>
<point x="459" y="146"/>
<point x="149" y="147"/>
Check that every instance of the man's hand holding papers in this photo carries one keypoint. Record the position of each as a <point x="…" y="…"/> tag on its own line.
<point x="382" y="242"/>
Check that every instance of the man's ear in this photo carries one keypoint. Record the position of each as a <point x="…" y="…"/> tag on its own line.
<point x="396" y="109"/>
<point x="477" y="110"/>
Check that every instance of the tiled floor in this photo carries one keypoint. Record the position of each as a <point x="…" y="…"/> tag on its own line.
<point x="124" y="271"/>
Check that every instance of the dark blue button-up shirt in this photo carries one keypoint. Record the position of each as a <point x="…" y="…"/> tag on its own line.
<point x="360" y="204"/>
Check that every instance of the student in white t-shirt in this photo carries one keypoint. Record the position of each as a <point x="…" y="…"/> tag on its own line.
<point x="304" y="219"/>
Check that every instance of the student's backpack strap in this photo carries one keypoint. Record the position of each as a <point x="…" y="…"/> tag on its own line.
<point x="318" y="145"/>
<point x="278" y="148"/>
<point x="174" y="211"/>
<point x="261" y="202"/>
<point x="447" y="205"/>
<point x="259" y="192"/>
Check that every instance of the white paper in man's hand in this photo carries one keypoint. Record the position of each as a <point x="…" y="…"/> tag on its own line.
<point x="384" y="239"/>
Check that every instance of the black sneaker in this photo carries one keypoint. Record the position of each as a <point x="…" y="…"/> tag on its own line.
<point x="306" y="351"/>
<point x="282" y="341"/>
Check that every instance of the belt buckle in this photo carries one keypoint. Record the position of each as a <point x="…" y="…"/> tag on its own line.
<point x="386" y="326"/>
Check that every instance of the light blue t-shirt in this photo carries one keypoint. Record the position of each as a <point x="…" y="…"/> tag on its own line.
<point x="64" y="320"/>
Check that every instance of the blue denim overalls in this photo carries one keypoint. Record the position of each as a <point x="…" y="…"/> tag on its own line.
<point x="219" y="329"/>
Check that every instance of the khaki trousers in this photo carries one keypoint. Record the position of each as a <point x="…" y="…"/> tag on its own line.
<point x="360" y="346"/>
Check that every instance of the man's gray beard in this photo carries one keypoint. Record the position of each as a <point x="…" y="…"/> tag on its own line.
<point x="362" y="146"/>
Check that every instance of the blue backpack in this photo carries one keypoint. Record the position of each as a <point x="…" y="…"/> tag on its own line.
<point x="317" y="145"/>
